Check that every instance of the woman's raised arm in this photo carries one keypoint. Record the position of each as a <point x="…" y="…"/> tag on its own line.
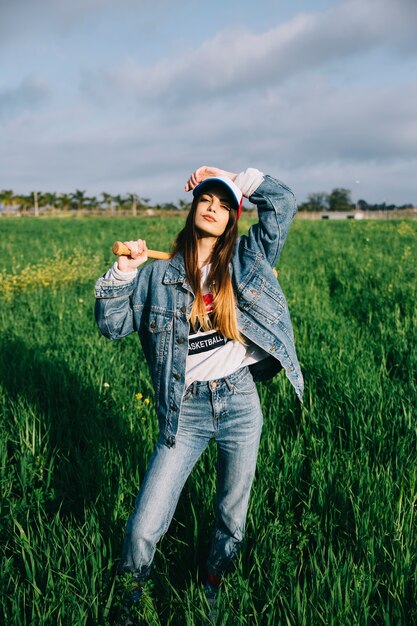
<point x="206" y="171"/>
<point x="276" y="209"/>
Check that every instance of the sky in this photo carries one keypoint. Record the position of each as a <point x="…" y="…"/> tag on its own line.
<point x="132" y="96"/>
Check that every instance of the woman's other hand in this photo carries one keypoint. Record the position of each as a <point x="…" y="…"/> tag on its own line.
<point x="206" y="171"/>
<point x="138" y="255"/>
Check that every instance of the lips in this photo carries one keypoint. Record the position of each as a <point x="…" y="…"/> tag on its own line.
<point x="209" y="218"/>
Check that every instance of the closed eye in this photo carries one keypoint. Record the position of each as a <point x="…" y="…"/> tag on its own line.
<point x="208" y="198"/>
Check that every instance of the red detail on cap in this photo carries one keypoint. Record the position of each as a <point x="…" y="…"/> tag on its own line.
<point x="239" y="209"/>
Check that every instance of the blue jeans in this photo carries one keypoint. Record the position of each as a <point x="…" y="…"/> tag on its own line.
<point x="228" y="410"/>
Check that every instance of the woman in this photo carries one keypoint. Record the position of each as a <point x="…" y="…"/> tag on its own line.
<point x="211" y="321"/>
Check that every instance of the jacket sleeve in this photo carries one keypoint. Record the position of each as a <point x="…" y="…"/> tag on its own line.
<point x="113" y="307"/>
<point x="276" y="209"/>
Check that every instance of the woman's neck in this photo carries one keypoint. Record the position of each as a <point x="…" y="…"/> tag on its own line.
<point x="205" y="247"/>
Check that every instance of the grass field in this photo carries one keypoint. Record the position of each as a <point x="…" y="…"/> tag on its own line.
<point x="331" y="534"/>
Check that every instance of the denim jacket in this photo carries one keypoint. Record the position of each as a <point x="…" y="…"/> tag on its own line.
<point x="157" y="302"/>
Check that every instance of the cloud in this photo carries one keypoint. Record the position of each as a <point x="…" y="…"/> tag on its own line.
<point x="26" y="96"/>
<point x="313" y="134"/>
<point x="321" y="122"/>
<point x="242" y="61"/>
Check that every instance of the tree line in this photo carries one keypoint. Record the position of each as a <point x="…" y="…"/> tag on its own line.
<point x="339" y="199"/>
<point x="78" y="201"/>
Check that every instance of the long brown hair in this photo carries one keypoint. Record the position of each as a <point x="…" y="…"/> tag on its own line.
<point x="224" y="306"/>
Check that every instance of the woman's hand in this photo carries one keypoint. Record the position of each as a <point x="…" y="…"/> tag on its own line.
<point x="138" y="256"/>
<point x="206" y="171"/>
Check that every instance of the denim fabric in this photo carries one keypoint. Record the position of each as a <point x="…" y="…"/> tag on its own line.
<point x="157" y="302"/>
<point x="228" y="411"/>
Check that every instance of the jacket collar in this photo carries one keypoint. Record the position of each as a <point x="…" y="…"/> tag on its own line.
<point x="175" y="272"/>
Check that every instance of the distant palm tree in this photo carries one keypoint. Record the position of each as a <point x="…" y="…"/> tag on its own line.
<point x="133" y="200"/>
<point x="78" y="199"/>
<point x="119" y="201"/>
<point x="144" y="202"/>
<point x="7" y="198"/>
<point x="25" y="203"/>
<point x="107" y="201"/>
<point x="183" y="205"/>
<point x="91" y="203"/>
<point x="50" y="200"/>
<point x="64" y="201"/>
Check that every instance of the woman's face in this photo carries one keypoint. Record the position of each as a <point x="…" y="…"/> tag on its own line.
<point x="212" y="212"/>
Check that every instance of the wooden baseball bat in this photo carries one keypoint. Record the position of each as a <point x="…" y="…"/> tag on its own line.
<point x="120" y="249"/>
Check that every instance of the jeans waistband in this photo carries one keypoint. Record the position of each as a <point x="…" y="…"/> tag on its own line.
<point x="229" y="381"/>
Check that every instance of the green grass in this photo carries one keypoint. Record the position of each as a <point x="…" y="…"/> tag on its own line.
<point x="331" y="534"/>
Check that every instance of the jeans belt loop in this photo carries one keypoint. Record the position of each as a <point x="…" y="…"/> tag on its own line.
<point x="228" y="383"/>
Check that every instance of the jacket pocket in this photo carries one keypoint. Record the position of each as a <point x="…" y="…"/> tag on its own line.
<point x="262" y="300"/>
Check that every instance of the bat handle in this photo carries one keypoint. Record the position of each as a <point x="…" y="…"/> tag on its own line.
<point x="120" y="249"/>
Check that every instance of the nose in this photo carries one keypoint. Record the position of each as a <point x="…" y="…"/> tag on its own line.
<point x="212" y="206"/>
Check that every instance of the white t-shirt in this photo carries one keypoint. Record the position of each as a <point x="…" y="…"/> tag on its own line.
<point x="210" y="355"/>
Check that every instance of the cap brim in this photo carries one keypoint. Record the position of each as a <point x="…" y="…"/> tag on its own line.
<point x="233" y="191"/>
